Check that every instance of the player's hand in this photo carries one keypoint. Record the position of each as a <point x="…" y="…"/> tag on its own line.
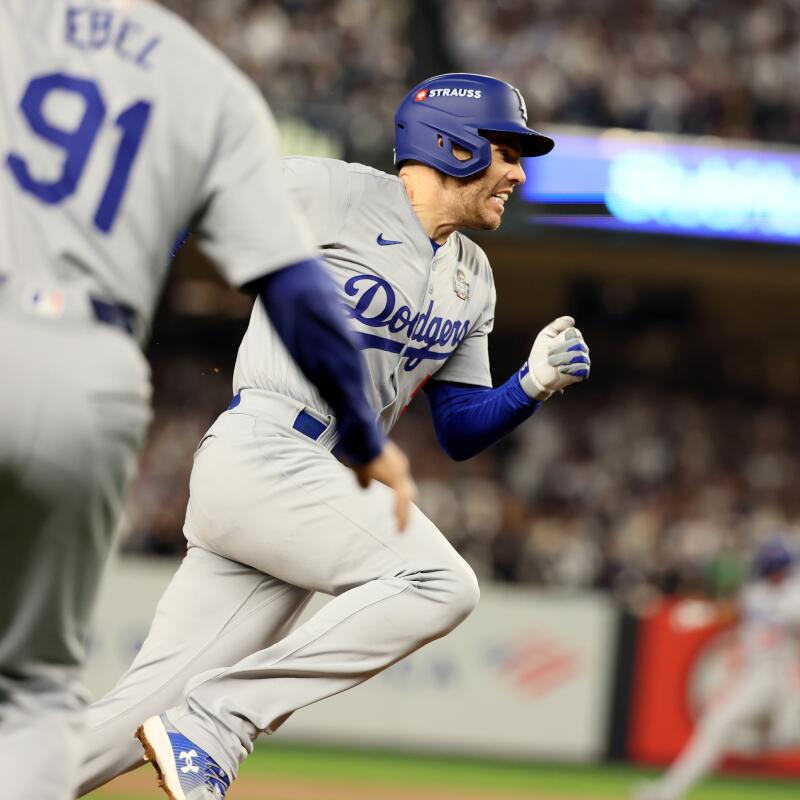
<point x="391" y="468"/>
<point x="559" y="358"/>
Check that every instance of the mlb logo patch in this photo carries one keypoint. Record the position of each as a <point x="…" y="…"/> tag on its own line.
<point x="420" y="95"/>
<point x="47" y="303"/>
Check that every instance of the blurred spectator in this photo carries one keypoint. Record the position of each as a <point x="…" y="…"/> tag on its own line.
<point x="684" y="66"/>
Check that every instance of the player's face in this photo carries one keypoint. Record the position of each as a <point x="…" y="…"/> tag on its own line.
<point x="778" y="576"/>
<point x="480" y="200"/>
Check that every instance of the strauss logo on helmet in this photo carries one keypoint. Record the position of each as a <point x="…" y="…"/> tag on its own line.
<point x="447" y="91"/>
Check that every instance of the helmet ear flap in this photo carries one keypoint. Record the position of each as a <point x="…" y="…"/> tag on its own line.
<point x="428" y="134"/>
<point x="454" y="148"/>
<point x="467" y="154"/>
<point x="437" y="147"/>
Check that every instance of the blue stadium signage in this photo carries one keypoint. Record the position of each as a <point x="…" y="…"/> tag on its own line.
<point x="625" y="180"/>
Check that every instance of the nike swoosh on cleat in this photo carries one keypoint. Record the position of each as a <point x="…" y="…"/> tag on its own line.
<point x="383" y="242"/>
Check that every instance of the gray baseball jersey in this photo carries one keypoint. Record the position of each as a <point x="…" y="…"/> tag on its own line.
<point x="415" y="313"/>
<point x="121" y="117"/>
<point x="119" y="128"/>
<point x="771" y="621"/>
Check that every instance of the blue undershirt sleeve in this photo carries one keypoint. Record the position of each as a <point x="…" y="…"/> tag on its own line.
<point x="304" y="307"/>
<point x="469" y="418"/>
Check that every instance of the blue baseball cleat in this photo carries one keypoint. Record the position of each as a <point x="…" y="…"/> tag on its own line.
<point x="185" y="771"/>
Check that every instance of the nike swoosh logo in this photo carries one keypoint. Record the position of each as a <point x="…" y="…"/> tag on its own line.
<point x="383" y="242"/>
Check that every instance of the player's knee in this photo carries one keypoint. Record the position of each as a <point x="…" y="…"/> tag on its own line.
<point x="469" y="593"/>
<point x="462" y="595"/>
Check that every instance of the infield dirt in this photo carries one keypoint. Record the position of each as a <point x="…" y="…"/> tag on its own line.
<point x="142" y="782"/>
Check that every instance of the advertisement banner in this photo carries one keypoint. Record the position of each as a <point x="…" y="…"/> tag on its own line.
<point x="527" y="675"/>
<point x="686" y="658"/>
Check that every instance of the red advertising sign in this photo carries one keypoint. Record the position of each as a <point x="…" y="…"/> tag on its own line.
<point x="686" y="659"/>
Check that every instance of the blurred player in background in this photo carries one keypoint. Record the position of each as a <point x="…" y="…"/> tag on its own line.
<point x="119" y="128"/>
<point x="754" y="700"/>
<point x="273" y="516"/>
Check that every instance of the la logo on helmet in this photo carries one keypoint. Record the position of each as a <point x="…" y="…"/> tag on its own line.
<point x="522" y="107"/>
<point x="420" y="95"/>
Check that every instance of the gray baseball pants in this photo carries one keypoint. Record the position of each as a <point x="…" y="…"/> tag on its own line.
<point x="273" y="517"/>
<point x="74" y="409"/>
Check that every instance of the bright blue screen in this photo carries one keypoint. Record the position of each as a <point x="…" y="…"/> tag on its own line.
<point x="661" y="185"/>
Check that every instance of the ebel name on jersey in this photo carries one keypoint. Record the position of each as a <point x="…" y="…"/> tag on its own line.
<point x="376" y="307"/>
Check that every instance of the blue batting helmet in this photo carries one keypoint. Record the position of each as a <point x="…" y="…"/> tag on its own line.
<point x="458" y="108"/>
<point x="772" y="555"/>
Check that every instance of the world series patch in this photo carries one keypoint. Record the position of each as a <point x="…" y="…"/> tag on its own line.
<point x="460" y="285"/>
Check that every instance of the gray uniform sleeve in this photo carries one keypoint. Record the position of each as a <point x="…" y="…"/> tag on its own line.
<point x="319" y="186"/>
<point x="470" y="361"/>
<point x="249" y="226"/>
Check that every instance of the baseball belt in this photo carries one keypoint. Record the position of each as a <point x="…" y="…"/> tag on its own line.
<point x="51" y="301"/>
<point x="314" y="424"/>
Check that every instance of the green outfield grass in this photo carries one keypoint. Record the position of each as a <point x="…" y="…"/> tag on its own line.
<point x="275" y="766"/>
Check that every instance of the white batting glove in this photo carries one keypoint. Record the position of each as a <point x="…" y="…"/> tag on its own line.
<point x="559" y="358"/>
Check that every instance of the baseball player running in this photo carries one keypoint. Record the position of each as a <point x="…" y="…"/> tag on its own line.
<point x="120" y="127"/>
<point x="769" y="632"/>
<point x="273" y="516"/>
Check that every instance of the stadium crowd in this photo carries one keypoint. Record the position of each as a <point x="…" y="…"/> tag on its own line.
<point x="688" y="66"/>
<point x="651" y="491"/>
<point x="336" y="64"/>
<point x="682" y="66"/>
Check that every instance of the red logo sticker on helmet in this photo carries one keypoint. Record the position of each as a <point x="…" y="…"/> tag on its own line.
<point x="420" y="95"/>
